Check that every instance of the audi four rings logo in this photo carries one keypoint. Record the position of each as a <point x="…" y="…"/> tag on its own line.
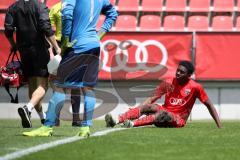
<point x="141" y="55"/>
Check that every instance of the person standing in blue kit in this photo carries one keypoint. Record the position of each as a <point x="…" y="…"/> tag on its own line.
<point x="80" y="61"/>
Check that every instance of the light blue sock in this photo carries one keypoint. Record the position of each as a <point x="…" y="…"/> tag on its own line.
<point x="89" y="104"/>
<point x="54" y="106"/>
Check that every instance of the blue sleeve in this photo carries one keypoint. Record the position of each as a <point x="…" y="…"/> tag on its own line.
<point x="67" y="16"/>
<point x="111" y="15"/>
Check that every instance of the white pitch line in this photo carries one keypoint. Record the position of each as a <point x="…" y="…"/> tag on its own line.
<point x="44" y="146"/>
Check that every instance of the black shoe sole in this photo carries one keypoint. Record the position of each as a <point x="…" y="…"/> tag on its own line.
<point x="76" y="124"/>
<point x="26" y="123"/>
<point x="109" y="121"/>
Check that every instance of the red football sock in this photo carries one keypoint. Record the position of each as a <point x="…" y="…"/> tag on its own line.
<point x="147" y="120"/>
<point x="132" y="113"/>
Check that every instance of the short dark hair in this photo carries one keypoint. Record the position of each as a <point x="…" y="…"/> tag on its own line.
<point x="188" y="65"/>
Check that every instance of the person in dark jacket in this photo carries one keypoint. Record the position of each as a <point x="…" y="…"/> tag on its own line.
<point x="30" y="20"/>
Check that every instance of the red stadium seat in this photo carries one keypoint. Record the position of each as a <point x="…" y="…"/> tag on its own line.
<point x="51" y="3"/>
<point x="152" y="5"/>
<point x="198" y="23"/>
<point x="173" y="23"/>
<point x="222" y="23"/>
<point x="223" y="5"/>
<point x="128" y="5"/>
<point x="150" y="23"/>
<point x="199" y="5"/>
<point x="100" y="22"/>
<point x="175" y="5"/>
<point x="126" y="23"/>
<point x="2" y="19"/>
<point x="4" y="4"/>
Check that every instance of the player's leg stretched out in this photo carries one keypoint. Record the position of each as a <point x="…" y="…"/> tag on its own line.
<point x="131" y="114"/>
<point x="160" y="119"/>
<point x="146" y="115"/>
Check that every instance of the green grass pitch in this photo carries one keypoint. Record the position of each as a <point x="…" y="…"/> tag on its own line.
<point x="197" y="141"/>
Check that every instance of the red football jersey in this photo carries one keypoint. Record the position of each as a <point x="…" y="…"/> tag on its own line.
<point x="180" y="99"/>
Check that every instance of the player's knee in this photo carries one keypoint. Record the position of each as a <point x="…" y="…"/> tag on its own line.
<point x="163" y="117"/>
<point x="148" y="108"/>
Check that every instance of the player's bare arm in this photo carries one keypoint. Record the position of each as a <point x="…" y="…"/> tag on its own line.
<point x="213" y="112"/>
<point x="150" y="100"/>
<point x="53" y="42"/>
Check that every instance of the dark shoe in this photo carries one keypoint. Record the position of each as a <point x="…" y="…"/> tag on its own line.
<point x="109" y="121"/>
<point x="57" y="122"/>
<point x="76" y="124"/>
<point x="25" y="116"/>
<point x="42" y="121"/>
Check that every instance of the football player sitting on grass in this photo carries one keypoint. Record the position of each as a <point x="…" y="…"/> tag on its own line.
<point x="180" y="93"/>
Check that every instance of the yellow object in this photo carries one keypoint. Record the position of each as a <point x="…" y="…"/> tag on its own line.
<point x="56" y="20"/>
<point x="43" y="131"/>
<point x="66" y="44"/>
<point x="84" y="132"/>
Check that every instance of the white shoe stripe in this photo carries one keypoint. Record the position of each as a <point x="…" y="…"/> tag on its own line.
<point x="28" y="119"/>
<point x="26" y="116"/>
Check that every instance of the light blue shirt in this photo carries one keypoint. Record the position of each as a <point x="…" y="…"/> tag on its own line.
<point x="79" y="20"/>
